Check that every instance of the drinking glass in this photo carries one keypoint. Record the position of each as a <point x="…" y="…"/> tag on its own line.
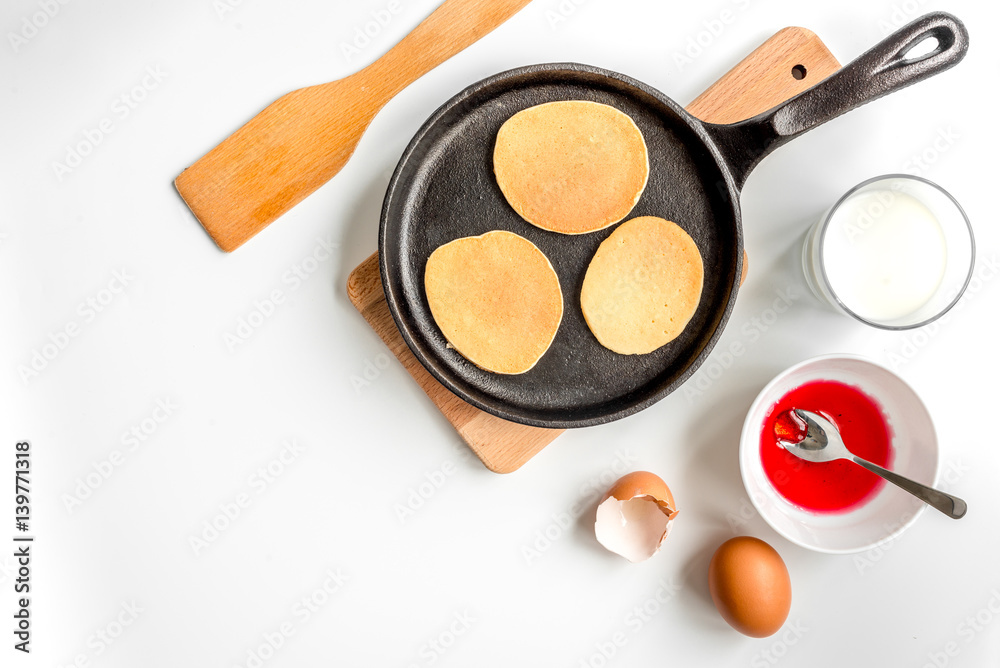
<point x="895" y="252"/>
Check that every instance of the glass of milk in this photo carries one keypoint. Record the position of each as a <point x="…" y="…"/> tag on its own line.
<point x="895" y="252"/>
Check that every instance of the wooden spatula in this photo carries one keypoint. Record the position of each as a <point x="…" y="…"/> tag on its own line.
<point x="302" y="139"/>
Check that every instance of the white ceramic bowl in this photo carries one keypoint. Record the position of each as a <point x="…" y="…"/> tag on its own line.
<point x="891" y="510"/>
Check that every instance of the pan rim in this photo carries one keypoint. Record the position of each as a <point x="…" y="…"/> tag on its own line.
<point x="438" y="369"/>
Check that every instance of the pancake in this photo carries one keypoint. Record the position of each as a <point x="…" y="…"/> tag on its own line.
<point x="571" y="167"/>
<point x="642" y="286"/>
<point x="496" y="299"/>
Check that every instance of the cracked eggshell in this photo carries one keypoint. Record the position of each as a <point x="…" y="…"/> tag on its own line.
<point x="634" y="517"/>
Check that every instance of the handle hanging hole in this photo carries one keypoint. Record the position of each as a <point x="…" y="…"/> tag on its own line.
<point x="799" y="72"/>
<point x="922" y="48"/>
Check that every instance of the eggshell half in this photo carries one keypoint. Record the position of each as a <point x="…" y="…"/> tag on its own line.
<point x="635" y="516"/>
<point x="750" y="586"/>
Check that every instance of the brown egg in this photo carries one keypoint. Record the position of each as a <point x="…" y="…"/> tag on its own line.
<point x="750" y="586"/>
<point x="635" y="516"/>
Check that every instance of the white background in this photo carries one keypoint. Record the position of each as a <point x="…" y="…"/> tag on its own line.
<point x="368" y="442"/>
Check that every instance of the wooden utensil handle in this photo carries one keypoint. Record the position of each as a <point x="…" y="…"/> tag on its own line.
<point x="453" y="26"/>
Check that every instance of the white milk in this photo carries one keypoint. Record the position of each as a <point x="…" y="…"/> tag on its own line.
<point x="884" y="254"/>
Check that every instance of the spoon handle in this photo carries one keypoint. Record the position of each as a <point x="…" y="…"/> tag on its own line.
<point x="952" y="506"/>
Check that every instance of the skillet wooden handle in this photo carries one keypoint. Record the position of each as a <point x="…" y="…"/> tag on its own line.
<point x="452" y="27"/>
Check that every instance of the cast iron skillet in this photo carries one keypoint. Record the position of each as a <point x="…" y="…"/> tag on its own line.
<point x="444" y="188"/>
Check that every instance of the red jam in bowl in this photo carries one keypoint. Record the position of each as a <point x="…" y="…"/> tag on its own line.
<point x="826" y="487"/>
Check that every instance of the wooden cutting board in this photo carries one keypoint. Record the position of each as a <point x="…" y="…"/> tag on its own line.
<point x="785" y="65"/>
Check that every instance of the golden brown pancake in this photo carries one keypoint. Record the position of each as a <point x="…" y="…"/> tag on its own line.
<point x="642" y="286"/>
<point x="496" y="298"/>
<point x="572" y="166"/>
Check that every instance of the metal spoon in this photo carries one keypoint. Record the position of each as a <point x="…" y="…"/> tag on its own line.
<point x="823" y="443"/>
